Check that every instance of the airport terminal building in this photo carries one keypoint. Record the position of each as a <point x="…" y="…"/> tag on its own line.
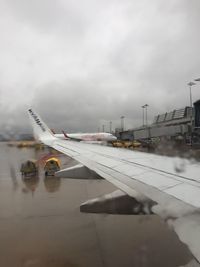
<point x="175" y="124"/>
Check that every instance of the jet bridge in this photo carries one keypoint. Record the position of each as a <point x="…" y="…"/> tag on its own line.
<point x="196" y="132"/>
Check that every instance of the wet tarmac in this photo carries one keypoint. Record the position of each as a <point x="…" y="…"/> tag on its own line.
<point x="41" y="224"/>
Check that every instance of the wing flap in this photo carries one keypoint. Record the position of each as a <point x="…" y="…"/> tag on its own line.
<point x="117" y="202"/>
<point x="77" y="172"/>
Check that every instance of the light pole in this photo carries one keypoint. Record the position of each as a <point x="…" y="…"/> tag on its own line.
<point x="190" y="84"/>
<point x="143" y="107"/>
<point x="110" y="126"/>
<point x="103" y="128"/>
<point x="122" y="123"/>
<point x="146" y="106"/>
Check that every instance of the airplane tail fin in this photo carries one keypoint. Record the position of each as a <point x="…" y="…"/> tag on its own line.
<point x="65" y="135"/>
<point x="40" y="129"/>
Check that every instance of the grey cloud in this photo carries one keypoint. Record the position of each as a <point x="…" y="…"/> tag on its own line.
<point x="84" y="63"/>
<point x="47" y="15"/>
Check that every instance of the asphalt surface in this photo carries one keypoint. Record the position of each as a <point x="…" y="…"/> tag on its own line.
<point x="41" y="224"/>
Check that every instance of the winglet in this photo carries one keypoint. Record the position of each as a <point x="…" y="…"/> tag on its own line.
<point x="40" y="129"/>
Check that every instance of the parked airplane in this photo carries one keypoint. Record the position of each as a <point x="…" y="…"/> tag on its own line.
<point x="87" y="137"/>
<point x="169" y="187"/>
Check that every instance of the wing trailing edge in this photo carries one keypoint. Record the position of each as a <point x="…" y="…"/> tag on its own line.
<point x="78" y="171"/>
<point x="117" y="202"/>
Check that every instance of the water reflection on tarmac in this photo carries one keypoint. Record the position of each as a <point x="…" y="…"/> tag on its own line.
<point x="41" y="225"/>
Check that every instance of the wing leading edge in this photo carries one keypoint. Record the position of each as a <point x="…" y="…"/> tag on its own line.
<point x="174" y="184"/>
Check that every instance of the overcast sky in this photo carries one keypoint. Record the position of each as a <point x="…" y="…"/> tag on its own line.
<point x="81" y="63"/>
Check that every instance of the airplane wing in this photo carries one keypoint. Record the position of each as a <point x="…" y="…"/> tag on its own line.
<point x="173" y="184"/>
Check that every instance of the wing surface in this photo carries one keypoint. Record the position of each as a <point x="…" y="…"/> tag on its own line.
<point x="173" y="183"/>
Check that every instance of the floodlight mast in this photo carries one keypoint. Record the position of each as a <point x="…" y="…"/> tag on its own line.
<point x="110" y="126"/>
<point x="122" y="123"/>
<point x="190" y="84"/>
<point x="143" y="107"/>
